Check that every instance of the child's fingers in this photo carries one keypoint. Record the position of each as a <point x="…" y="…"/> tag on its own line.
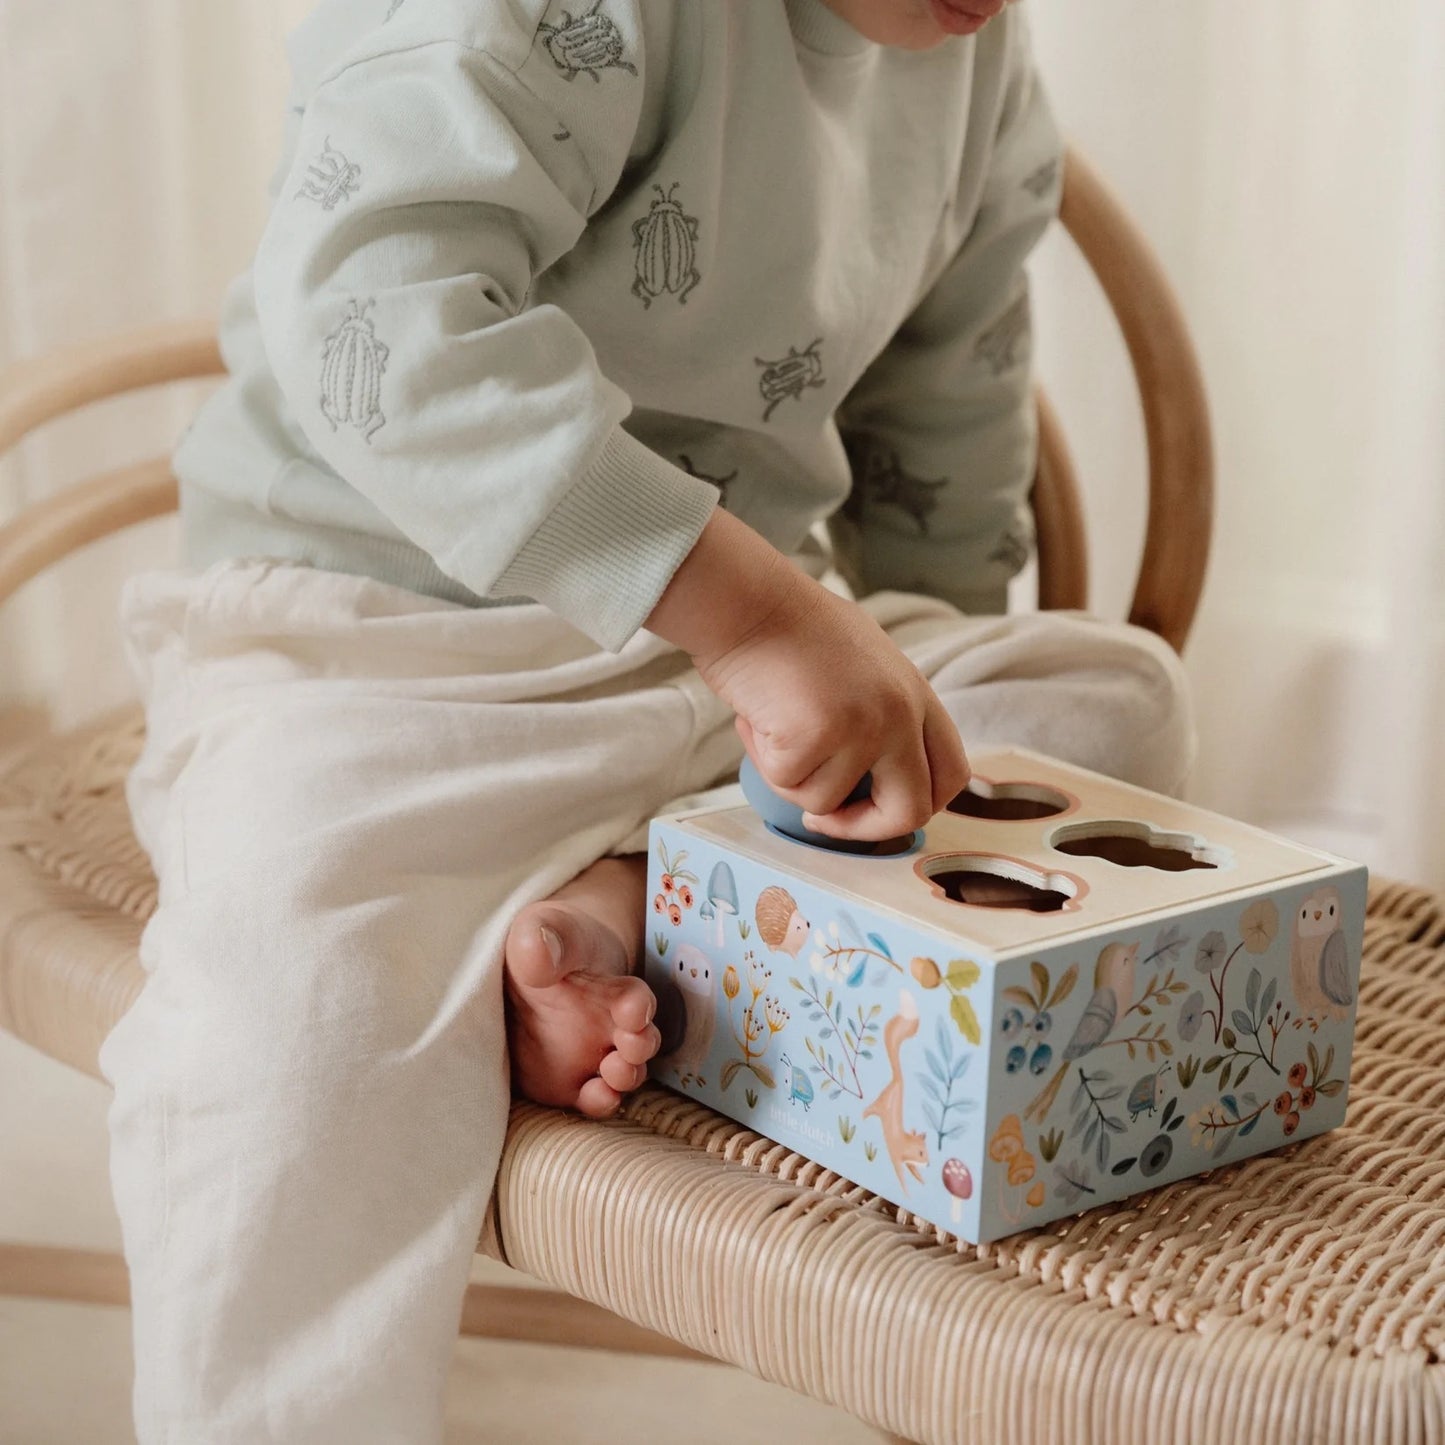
<point x="948" y="765"/>
<point x="901" y="800"/>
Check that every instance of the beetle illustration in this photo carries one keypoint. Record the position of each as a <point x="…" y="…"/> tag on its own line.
<point x="585" y="45"/>
<point x="999" y="347"/>
<point x="721" y="483"/>
<point x="352" y="365"/>
<point x="790" y="376"/>
<point x="1039" y="182"/>
<point x="1147" y="1094"/>
<point x="665" y="240"/>
<point x="880" y="476"/>
<point x="798" y="1085"/>
<point x="333" y="179"/>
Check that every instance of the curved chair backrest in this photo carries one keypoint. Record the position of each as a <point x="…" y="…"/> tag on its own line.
<point x="1171" y="574"/>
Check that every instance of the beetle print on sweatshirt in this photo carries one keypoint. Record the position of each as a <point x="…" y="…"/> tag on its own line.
<point x="1005" y="343"/>
<point x="353" y="362"/>
<point x="331" y="179"/>
<point x="665" y="240"/>
<point x="790" y="376"/>
<point x="585" y="45"/>
<point x="879" y="478"/>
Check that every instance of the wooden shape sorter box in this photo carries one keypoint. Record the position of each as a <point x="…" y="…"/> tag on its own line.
<point x="1063" y="991"/>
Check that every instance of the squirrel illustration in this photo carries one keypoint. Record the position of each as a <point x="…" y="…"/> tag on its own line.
<point x="907" y="1149"/>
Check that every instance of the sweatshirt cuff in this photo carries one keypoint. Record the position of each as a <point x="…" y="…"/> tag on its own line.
<point x="605" y="553"/>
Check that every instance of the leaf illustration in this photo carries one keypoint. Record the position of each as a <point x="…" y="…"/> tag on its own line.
<point x="1040" y="976"/>
<point x="1243" y="1074"/>
<point x="931" y="1087"/>
<point x="1242" y="1021"/>
<point x="1228" y="1038"/>
<point x="1268" y="998"/>
<point x="962" y="974"/>
<point x="1230" y="1105"/>
<point x="935" y="1063"/>
<point x="1224" y="1075"/>
<point x="1174" y="1123"/>
<point x="882" y="947"/>
<point x="1251" y="991"/>
<point x="1168" y="1111"/>
<point x="765" y="1075"/>
<point x="1329" y="1061"/>
<point x="931" y="1114"/>
<point x="1331" y="1087"/>
<point x="1246" y="1128"/>
<point x="1125" y="1165"/>
<point x="1169" y="943"/>
<point x="730" y="1071"/>
<point x="1314" y="1059"/>
<point x="1065" y="986"/>
<point x="1212" y="1063"/>
<point x="965" y="1018"/>
<point x="1103" y="1149"/>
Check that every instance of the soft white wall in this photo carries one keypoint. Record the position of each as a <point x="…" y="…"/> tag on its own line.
<point x="1288" y="162"/>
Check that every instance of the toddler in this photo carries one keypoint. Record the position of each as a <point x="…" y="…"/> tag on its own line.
<point x="593" y="362"/>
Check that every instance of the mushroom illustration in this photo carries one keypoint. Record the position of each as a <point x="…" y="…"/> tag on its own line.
<point x="722" y="897"/>
<point x="959" y="1183"/>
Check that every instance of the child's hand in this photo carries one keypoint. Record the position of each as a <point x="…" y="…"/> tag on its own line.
<point x="821" y="693"/>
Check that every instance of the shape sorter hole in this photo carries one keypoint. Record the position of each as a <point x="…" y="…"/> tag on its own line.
<point x="857" y="848"/>
<point x="1010" y="802"/>
<point x="1129" y="844"/>
<point x="983" y="880"/>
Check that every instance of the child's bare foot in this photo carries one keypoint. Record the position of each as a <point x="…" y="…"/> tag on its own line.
<point x="579" y="1025"/>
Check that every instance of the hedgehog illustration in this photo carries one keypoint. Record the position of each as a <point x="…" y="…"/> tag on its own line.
<point x="780" y="924"/>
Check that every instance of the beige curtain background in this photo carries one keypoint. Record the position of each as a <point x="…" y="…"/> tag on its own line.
<point x="1288" y="162"/>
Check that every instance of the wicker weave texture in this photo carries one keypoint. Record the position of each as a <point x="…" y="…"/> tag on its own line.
<point x="1296" y="1297"/>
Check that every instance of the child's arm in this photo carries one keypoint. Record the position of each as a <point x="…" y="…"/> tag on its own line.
<point x="436" y="176"/>
<point x="941" y="428"/>
<point x="821" y="692"/>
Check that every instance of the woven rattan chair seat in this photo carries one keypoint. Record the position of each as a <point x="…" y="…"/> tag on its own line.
<point x="1296" y="1297"/>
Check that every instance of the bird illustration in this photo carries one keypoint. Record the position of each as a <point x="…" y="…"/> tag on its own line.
<point x="1318" y="957"/>
<point x="692" y="979"/>
<point x="1113" y="994"/>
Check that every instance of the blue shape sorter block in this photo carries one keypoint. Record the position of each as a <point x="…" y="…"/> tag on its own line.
<point x="1064" y="991"/>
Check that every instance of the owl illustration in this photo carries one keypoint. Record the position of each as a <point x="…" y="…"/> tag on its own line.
<point x="1318" y="961"/>
<point x="687" y="1014"/>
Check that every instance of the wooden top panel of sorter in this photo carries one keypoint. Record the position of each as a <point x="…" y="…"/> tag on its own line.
<point x="1108" y="892"/>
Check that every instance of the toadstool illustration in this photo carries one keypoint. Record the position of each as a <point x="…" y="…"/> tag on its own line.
<point x="722" y="898"/>
<point x="959" y="1183"/>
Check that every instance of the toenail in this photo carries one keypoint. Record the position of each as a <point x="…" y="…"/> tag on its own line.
<point x="554" y="945"/>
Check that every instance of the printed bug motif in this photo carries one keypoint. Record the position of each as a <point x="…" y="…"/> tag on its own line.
<point x="392" y="9"/>
<point x="586" y="45"/>
<point x="1000" y="347"/>
<point x="1040" y="182"/>
<point x="721" y="483"/>
<point x="1011" y="552"/>
<point x="332" y="179"/>
<point x="665" y="240"/>
<point x="352" y="365"/>
<point x="790" y="376"/>
<point x="879" y="477"/>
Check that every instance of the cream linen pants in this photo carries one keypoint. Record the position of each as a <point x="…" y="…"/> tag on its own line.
<point x="348" y="791"/>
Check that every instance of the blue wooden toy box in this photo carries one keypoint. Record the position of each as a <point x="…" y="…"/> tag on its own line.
<point x="1067" y="991"/>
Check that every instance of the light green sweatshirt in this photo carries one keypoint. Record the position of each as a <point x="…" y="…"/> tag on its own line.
<point x="542" y="285"/>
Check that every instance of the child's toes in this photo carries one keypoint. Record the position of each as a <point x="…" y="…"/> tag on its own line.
<point x="598" y="1099"/>
<point x="639" y="1047"/>
<point x="632" y="1005"/>
<point x="618" y="1074"/>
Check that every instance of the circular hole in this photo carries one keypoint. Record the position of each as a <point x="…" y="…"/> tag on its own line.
<point x="883" y="848"/>
<point x="1010" y="802"/>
